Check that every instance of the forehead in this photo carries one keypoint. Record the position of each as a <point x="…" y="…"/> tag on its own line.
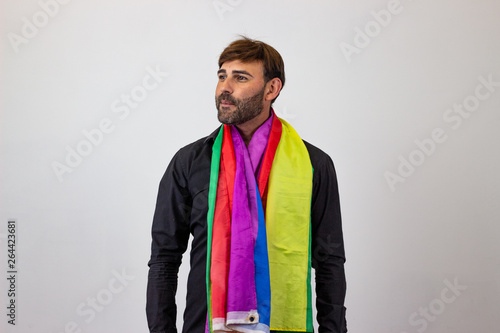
<point x="255" y="68"/>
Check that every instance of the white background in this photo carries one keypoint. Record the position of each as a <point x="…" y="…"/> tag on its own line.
<point x="406" y="240"/>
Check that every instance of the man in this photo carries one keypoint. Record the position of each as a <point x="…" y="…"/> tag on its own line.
<point x="262" y="206"/>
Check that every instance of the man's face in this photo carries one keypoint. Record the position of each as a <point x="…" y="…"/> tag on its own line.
<point x="239" y="96"/>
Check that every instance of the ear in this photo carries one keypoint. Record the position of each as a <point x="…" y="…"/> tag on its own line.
<point x="273" y="88"/>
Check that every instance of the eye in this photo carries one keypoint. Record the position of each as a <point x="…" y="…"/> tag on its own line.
<point x="241" y="78"/>
<point x="222" y="77"/>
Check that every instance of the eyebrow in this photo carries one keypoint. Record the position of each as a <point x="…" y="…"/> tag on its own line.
<point x="234" y="72"/>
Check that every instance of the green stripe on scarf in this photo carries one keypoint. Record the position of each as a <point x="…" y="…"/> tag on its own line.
<point x="214" y="177"/>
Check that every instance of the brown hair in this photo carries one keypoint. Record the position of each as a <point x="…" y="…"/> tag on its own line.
<point x="248" y="50"/>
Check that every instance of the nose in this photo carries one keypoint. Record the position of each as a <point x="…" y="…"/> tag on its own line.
<point x="225" y="87"/>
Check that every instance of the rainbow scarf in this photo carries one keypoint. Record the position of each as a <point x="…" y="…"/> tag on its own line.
<point x="259" y="233"/>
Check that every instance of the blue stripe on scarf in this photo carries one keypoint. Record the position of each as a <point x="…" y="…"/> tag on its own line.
<point x="262" y="280"/>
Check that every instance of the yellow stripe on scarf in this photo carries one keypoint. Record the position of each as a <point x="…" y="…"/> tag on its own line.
<point x="288" y="217"/>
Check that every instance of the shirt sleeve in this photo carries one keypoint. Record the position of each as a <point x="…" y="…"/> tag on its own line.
<point x="328" y="255"/>
<point x="170" y="235"/>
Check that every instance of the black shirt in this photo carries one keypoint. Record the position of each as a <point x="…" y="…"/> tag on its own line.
<point x="181" y="209"/>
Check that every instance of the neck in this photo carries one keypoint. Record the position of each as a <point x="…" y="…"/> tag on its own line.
<point x="248" y="128"/>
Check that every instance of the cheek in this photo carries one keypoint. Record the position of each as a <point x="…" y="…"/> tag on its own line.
<point x="246" y="93"/>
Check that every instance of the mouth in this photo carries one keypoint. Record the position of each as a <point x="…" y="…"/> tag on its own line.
<point x="225" y="102"/>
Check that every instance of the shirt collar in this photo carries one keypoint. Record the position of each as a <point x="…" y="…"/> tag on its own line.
<point x="212" y="136"/>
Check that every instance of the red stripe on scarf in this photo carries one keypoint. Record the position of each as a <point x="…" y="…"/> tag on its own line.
<point x="229" y="161"/>
<point x="267" y="161"/>
<point x="221" y="232"/>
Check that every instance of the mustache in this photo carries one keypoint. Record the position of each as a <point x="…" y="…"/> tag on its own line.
<point x="226" y="97"/>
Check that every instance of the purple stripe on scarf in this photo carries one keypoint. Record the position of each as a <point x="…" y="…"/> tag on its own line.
<point x="241" y="294"/>
<point x="258" y="145"/>
<point x="241" y="289"/>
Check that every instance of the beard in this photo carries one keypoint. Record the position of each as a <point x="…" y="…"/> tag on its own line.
<point x="246" y="109"/>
